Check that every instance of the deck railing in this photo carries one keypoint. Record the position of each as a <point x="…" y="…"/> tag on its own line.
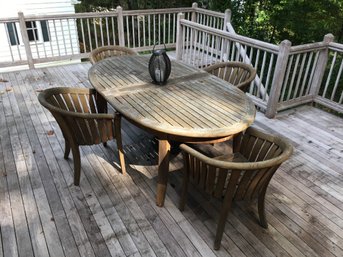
<point x="42" y="38"/>
<point x="287" y="75"/>
<point x="330" y="91"/>
<point x="201" y="46"/>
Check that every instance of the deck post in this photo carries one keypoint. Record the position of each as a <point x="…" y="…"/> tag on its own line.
<point x="194" y="12"/>
<point x="227" y="18"/>
<point x="25" y="37"/>
<point x="320" y="67"/>
<point x="179" y="33"/>
<point x="120" y="26"/>
<point x="279" y="74"/>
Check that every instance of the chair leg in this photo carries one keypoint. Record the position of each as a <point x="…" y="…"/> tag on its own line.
<point x="221" y="223"/>
<point x="184" y="190"/>
<point x="121" y="156"/>
<point x="117" y="122"/>
<point x="227" y="202"/>
<point x="77" y="164"/>
<point x="66" y="149"/>
<point x="261" y="211"/>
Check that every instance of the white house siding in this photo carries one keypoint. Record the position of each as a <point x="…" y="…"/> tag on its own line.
<point x="62" y="33"/>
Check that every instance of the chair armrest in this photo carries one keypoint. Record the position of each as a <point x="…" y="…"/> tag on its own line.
<point x="237" y="165"/>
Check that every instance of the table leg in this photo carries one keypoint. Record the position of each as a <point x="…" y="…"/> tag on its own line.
<point x="163" y="170"/>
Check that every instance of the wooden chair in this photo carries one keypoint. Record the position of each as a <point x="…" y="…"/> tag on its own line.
<point x="82" y="116"/>
<point x="237" y="73"/>
<point x="104" y="52"/>
<point x="241" y="175"/>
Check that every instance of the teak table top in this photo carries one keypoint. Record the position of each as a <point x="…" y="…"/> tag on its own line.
<point x="193" y="106"/>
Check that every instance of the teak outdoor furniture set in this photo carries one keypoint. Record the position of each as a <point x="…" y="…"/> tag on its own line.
<point x="193" y="107"/>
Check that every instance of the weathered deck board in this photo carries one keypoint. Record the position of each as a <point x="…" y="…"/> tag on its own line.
<point x="43" y="214"/>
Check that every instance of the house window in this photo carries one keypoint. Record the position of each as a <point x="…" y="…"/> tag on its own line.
<point x="32" y="30"/>
<point x="12" y="33"/>
<point x="45" y="30"/>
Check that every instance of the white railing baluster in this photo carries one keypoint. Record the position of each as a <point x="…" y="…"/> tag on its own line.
<point x="56" y="39"/>
<point x="309" y="61"/>
<point x="290" y="88"/>
<point x="299" y="75"/>
<point x="128" y="31"/>
<point x="289" y="65"/>
<point x="174" y="25"/>
<point x="330" y="73"/>
<point x="159" y="28"/>
<point x="9" y="40"/>
<point x="195" y="46"/>
<point x="113" y="32"/>
<point x="95" y="33"/>
<point x="83" y="37"/>
<point x="133" y="31"/>
<point x="169" y="27"/>
<point x="187" y="45"/>
<point x="101" y="32"/>
<point x="312" y="73"/>
<point x="139" y="36"/>
<point x="337" y="81"/>
<point x="255" y="65"/>
<point x="17" y="41"/>
<point x="341" y="98"/>
<point x="107" y="31"/>
<point x="149" y="30"/>
<point x="201" y="48"/>
<point x="154" y="28"/>
<point x="35" y="39"/>
<point x="269" y="74"/>
<point x="259" y="89"/>
<point x="63" y="37"/>
<point x="70" y="38"/>
<point x="89" y="35"/>
<point x="164" y="28"/>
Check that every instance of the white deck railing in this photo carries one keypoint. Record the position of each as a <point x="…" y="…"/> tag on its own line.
<point x="287" y="75"/>
<point x="74" y="36"/>
<point x="330" y="92"/>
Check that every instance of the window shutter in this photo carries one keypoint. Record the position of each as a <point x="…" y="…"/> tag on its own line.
<point x="45" y="31"/>
<point x="12" y="33"/>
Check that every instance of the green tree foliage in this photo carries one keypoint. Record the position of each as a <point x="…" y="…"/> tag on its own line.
<point x="300" y="21"/>
<point x="91" y="5"/>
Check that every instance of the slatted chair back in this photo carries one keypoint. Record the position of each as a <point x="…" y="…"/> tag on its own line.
<point x="236" y="73"/>
<point x="243" y="175"/>
<point x="82" y="116"/>
<point x="73" y="106"/>
<point x="104" y="52"/>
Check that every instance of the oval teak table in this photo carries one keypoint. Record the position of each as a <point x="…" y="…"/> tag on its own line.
<point x="193" y="106"/>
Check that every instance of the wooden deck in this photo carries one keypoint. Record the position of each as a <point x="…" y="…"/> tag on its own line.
<point x="43" y="214"/>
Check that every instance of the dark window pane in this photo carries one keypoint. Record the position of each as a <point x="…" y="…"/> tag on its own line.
<point x="31" y="24"/>
<point x="13" y="34"/>
<point x="45" y="31"/>
<point x="32" y="31"/>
